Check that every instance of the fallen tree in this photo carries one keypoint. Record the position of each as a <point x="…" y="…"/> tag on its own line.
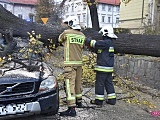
<point x="126" y="43"/>
<point x="136" y="44"/>
<point x="20" y="27"/>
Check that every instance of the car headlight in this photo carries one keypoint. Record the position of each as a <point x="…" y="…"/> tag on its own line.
<point x="48" y="84"/>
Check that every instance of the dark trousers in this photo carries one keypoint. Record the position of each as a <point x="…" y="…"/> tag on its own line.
<point x="104" y="81"/>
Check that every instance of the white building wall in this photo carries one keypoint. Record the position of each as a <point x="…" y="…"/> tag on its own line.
<point x="20" y="9"/>
<point x="7" y="6"/>
<point x="107" y="14"/>
<point x="24" y="10"/>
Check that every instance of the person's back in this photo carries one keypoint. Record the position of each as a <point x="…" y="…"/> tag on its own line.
<point x="73" y="41"/>
<point x="105" y="53"/>
<point x="104" y="67"/>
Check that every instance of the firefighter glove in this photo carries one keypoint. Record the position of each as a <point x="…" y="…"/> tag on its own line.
<point x="88" y="40"/>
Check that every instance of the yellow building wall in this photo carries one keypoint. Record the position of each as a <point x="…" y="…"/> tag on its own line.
<point x="131" y="14"/>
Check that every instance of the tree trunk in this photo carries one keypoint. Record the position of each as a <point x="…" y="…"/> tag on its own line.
<point x="126" y="43"/>
<point x="136" y="44"/>
<point x="21" y="27"/>
<point x="94" y="15"/>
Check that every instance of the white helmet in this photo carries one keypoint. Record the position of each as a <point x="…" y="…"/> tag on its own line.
<point x="73" y="22"/>
<point x="108" y="31"/>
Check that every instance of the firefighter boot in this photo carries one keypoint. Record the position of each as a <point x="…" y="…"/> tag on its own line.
<point x="70" y="112"/>
<point x="97" y="102"/>
<point x="79" y="104"/>
<point x="111" y="101"/>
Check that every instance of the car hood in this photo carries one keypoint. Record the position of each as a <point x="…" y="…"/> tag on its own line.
<point x="24" y="73"/>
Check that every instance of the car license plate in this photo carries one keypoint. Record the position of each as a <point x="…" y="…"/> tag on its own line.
<point x="13" y="109"/>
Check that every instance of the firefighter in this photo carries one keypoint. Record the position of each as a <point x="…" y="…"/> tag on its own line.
<point x="105" y="60"/>
<point x="73" y="41"/>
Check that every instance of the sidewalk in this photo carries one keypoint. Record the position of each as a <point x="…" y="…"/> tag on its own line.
<point x="121" y="111"/>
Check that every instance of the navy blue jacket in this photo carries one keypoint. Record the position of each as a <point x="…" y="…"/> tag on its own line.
<point x="105" y="54"/>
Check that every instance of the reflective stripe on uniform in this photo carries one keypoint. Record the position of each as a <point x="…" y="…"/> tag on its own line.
<point x="67" y="50"/>
<point x="99" y="97"/>
<point x="78" y="95"/>
<point x="71" y="38"/>
<point x="111" y="96"/>
<point x="59" y="40"/>
<point x="92" y="43"/>
<point x="103" y="69"/>
<point x="69" y="97"/>
<point x="99" y="50"/>
<point x="111" y="49"/>
<point x="73" y="62"/>
<point x="76" y="39"/>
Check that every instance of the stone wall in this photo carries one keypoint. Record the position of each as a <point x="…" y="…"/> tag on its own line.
<point x="142" y="69"/>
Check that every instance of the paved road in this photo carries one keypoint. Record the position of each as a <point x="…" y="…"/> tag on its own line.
<point x="120" y="111"/>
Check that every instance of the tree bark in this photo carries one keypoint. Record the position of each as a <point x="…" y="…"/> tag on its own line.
<point x="126" y="43"/>
<point x="136" y="44"/>
<point x="21" y="27"/>
<point x="94" y="15"/>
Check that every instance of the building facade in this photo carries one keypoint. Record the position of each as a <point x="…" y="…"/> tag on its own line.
<point x="140" y="15"/>
<point x="24" y="9"/>
<point x="155" y="19"/>
<point x="108" y="12"/>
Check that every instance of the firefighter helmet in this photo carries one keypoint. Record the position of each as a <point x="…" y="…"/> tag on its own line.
<point x="73" y="22"/>
<point x="108" y="31"/>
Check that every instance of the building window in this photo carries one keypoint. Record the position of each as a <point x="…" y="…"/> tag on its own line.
<point x="117" y="8"/>
<point x="21" y="8"/>
<point x="67" y="16"/>
<point x="103" y="7"/>
<point x="103" y="19"/>
<point x="117" y="20"/>
<point x="31" y="17"/>
<point x="20" y="16"/>
<point x="109" y="19"/>
<point x="79" y="17"/>
<point x="109" y="8"/>
<point x="84" y="17"/>
<point x="5" y="6"/>
<point x="72" y="8"/>
<point x="67" y="9"/>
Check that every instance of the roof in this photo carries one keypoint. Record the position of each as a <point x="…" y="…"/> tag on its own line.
<point x="112" y="2"/>
<point x="5" y="1"/>
<point x="29" y="2"/>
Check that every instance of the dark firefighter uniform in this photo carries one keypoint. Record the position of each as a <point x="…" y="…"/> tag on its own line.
<point x="104" y="68"/>
<point x="73" y="42"/>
